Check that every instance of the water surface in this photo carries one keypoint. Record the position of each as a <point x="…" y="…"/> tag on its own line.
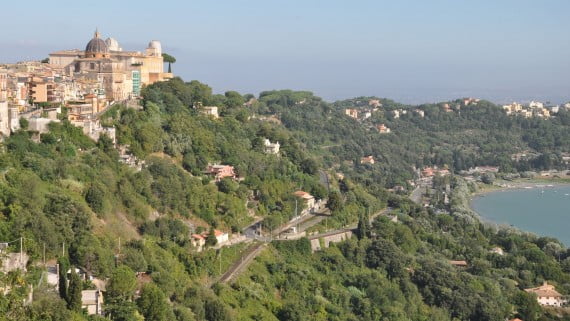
<point x="542" y="210"/>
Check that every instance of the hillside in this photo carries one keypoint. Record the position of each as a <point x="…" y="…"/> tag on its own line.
<point x="80" y="201"/>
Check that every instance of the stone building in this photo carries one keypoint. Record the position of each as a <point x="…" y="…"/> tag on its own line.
<point x="115" y="73"/>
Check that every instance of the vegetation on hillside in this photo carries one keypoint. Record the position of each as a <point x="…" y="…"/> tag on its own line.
<point x="74" y="196"/>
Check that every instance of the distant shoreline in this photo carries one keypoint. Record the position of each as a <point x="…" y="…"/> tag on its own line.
<point x="517" y="185"/>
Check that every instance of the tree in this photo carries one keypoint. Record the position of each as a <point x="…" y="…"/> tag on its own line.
<point x="170" y="60"/>
<point x="233" y="99"/>
<point x="24" y="123"/>
<point x="309" y="166"/>
<point x="488" y="178"/>
<point x="95" y="197"/>
<point x="363" y="228"/>
<point x="62" y="284"/>
<point x="527" y="306"/>
<point x="122" y="283"/>
<point x="74" y="291"/>
<point x="216" y="311"/>
<point x="335" y="201"/>
<point x="152" y="304"/>
<point x="211" y="240"/>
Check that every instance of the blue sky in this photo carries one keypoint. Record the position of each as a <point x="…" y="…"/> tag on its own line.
<point x="408" y="50"/>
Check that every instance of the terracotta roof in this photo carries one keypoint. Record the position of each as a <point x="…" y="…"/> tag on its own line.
<point x="218" y="233"/>
<point x="545" y="290"/>
<point x="303" y="194"/>
<point x="197" y="236"/>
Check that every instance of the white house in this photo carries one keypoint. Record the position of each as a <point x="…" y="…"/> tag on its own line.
<point x="547" y="295"/>
<point x="221" y="237"/>
<point x="211" y="110"/>
<point x="307" y="199"/>
<point x="271" y="148"/>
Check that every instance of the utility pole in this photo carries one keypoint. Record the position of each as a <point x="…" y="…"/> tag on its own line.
<point x="296" y="216"/>
<point x="63" y="249"/>
<point x="44" y="254"/>
<point x="21" y="249"/>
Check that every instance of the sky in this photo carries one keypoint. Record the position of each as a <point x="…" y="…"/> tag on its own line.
<point x="412" y="51"/>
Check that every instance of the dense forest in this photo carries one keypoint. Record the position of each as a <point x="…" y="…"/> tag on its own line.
<point x="72" y="201"/>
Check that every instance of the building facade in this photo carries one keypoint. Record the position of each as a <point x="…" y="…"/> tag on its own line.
<point x="109" y="70"/>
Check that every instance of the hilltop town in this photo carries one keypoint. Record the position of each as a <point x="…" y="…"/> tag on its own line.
<point x="77" y="85"/>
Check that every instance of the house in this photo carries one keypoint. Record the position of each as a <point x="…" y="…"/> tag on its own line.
<point x="351" y="113"/>
<point x="462" y="264"/>
<point x="374" y="103"/>
<point x="221" y="237"/>
<point x="13" y="261"/>
<point x="367" y="160"/>
<point x="307" y="198"/>
<point x="221" y="171"/>
<point x="428" y="172"/>
<point x="420" y="112"/>
<point x="547" y="295"/>
<point x="396" y="114"/>
<point x="498" y="250"/>
<point x="40" y="124"/>
<point x="535" y="104"/>
<point x="198" y="242"/>
<point x="92" y="301"/>
<point x="468" y="101"/>
<point x="210" y="110"/>
<point x="382" y="129"/>
<point x="271" y="148"/>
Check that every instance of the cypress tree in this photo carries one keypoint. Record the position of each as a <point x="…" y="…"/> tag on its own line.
<point x="62" y="284"/>
<point x="74" y="292"/>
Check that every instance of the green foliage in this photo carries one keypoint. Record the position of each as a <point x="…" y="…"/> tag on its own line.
<point x="121" y="284"/>
<point x="73" y="297"/>
<point x="64" y="266"/>
<point x="68" y="189"/>
<point x="152" y="304"/>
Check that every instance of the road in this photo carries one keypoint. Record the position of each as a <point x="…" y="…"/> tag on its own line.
<point x="304" y="223"/>
<point x="416" y="195"/>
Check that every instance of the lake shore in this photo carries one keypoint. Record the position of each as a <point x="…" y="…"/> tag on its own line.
<point x="531" y="183"/>
<point x="540" y="186"/>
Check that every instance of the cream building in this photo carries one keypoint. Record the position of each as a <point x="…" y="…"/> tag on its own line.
<point x="105" y="68"/>
<point x="4" y="111"/>
<point x="547" y="295"/>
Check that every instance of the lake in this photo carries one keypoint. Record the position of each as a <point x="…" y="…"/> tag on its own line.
<point x="544" y="210"/>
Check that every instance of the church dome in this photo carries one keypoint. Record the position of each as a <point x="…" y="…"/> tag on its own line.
<point x="96" y="46"/>
<point x="155" y="48"/>
<point x="113" y="44"/>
